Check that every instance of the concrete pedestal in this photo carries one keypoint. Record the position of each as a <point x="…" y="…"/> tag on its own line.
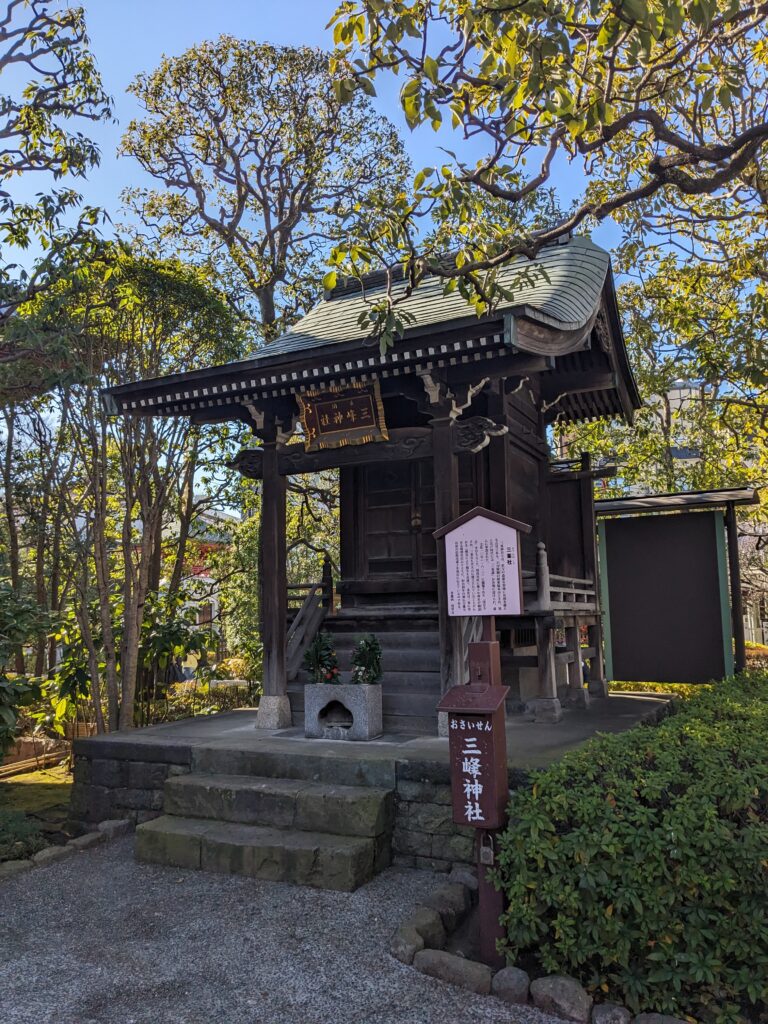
<point x="359" y="706"/>
<point x="274" y="712"/>
<point x="543" y="709"/>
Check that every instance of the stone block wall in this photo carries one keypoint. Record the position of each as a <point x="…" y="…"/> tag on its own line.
<point x="107" y="788"/>
<point x="126" y="780"/>
<point x="424" y="834"/>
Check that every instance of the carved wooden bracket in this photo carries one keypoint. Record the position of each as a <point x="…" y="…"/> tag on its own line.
<point x="473" y="434"/>
<point x="256" y="415"/>
<point x="470" y="435"/>
<point x="453" y="398"/>
<point x="602" y="331"/>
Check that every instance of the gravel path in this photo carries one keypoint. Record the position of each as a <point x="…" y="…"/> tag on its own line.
<point x="100" y="939"/>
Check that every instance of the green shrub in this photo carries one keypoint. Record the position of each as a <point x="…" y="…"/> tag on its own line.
<point x="189" y="700"/>
<point x="231" y="668"/>
<point x="639" y="863"/>
<point x="19" y="836"/>
<point x="16" y="693"/>
<point x="683" y="690"/>
<point x="757" y="655"/>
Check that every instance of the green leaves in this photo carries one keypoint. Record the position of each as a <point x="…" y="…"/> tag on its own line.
<point x="51" y="46"/>
<point x="366" y="660"/>
<point x="697" y="339"/>
<point x="16" y="692"/>
<point x="264" y="155"/>
<point x="320" y="659"/>
<point x="661" y="101"/>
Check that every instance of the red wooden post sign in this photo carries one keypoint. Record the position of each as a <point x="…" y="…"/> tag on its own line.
<point x="483" y="577"/>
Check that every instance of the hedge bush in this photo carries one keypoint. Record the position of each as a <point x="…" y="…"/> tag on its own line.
<point x="639" y="863"/>
<point x="682" y="690"/>
<point x="20" y="837"/>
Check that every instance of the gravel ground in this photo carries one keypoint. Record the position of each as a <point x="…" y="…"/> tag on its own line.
<point x="100" y="939"/>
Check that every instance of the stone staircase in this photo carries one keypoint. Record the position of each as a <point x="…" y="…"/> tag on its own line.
<point x="283" y="830"/>
<point x="410" y="662"/>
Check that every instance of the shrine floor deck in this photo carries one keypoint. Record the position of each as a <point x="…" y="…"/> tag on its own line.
<point x="231" y="741"/>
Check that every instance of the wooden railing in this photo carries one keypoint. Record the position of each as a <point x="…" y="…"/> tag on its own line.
<point x="308" y="605"/>
<point x="544" y="591"/>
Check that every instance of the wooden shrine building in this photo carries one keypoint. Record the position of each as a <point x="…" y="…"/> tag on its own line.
<point x="454" y="416"/>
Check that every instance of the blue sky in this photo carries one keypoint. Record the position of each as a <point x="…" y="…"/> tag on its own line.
<point x="128" y="38"/>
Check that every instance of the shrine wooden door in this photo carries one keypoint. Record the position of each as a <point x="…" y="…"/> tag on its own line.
<point x="396" y="508"/>
<point x="398" y="514"/>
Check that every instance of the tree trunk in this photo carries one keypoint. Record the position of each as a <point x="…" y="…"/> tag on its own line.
<point x="266" y="297"/>
<point x="99" y="483"/>
<point x="186" y="514"/>
<point x="12" y="525"/>
<point x="93" y="656"/>
<point x="41" y="577"/>
<point x="135" y="591"/>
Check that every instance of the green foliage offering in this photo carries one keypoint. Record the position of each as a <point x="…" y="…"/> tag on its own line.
<point x="20" y="837"/>
<point x="639" y="863"/>
<point x="320" y="659"/>
<point x="366" y="660"/>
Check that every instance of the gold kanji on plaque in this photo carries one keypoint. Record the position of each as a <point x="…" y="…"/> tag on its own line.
<point x="337" y="416"/>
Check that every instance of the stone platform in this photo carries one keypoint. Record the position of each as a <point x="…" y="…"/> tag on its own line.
<point x="282" y="830"/>
<point x="132" y="774"/>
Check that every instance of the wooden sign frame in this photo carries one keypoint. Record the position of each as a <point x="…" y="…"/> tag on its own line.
<point x="469" y="570"/>
<point x="337" y="416"/>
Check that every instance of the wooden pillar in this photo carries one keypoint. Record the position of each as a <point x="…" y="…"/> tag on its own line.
<point x="446" y="471"/>
<point x="499" y="478"/>
<point x="274" y="706"/>
<point x="546" y="707"/>
<point x="597" y="686"/>
<point x="737" y="600"/>
<point x="596" y="682"/>
<point x="577" y="695"/>
<point x="588" y="522"/>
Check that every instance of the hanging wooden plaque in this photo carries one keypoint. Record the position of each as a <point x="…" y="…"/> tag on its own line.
<point x="335" y="417"/>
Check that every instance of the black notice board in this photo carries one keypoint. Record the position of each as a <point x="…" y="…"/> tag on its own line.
<point x="665" y="597"/>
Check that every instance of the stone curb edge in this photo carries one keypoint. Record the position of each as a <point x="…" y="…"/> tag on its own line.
<point x="105" y="830"/>
<point x="420" y="939"/>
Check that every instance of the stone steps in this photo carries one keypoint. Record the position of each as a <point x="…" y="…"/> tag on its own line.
<point x="315" y="859"/>
<point x="280" y="829"/>
<point x="401" y="640"/>
<point x="281" y="803"/>
<point x="393" y="682"/>
<point x="424" y="657"/>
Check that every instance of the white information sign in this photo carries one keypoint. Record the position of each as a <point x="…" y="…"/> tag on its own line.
<point x="482" y="559"/>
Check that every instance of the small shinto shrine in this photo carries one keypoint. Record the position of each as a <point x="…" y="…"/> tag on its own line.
<point x="454" y="416"/>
